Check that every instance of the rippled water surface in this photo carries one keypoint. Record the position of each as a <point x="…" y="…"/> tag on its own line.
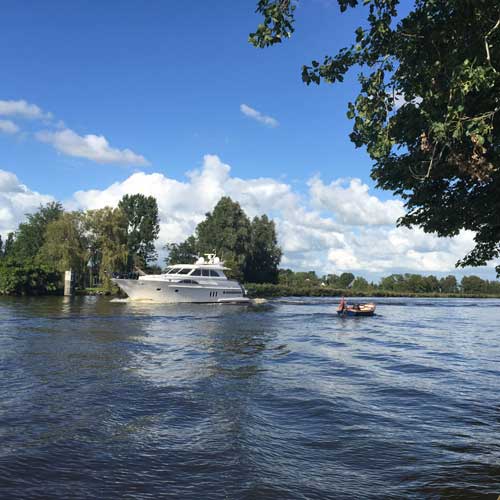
<point x="103" y="399"/>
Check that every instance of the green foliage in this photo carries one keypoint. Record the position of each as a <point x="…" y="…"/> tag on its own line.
<point x="249" y="249"/>
<point x="297" y="279"/>
<point x="342" y="281"/>
<point x="278" y="22"/>
<point x="395" y="285"/>
<point x="30" y="235"/>
<point x="107" y="241"/>
<point x="66" y="244"/>
<point x="154" y="269"/>
<point x="182" y="253"/>
<point x="143" y="227"/>
<point x="428" y="107"/>
<point x="414" y="283"/>
<point x="264" y="256"/>
<point x="360" y="284"/>
<point x="227" y="232"/>
<point x="92" y="243"/>
<point x="448" y="284"/>
<point x="476" y="285"/>
<point x="23" y="278"/>
<point x="9" y="244"/>
<point x="285" y="276"/>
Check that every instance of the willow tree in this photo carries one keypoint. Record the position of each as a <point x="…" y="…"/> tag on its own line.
<point x="66" y="244"/>
<point x="107" y="240"/>
<point x="427" y="110"/>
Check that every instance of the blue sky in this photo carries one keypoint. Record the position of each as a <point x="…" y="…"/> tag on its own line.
<point x="100" y="98"/>
<point x="166" y="79"/>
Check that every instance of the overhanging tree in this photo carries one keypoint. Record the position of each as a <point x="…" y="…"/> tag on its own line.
<point x="428" y="110"/>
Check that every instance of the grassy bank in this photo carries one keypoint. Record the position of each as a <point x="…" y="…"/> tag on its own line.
<point x="268" y="290"/>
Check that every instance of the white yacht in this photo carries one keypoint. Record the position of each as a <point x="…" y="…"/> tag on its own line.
<point x="203" y="281"/>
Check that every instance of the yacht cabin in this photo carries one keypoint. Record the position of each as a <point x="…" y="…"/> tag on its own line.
<point x="211" y="267"/>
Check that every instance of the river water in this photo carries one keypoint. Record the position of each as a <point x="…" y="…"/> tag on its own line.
<point x="109" y="399"/>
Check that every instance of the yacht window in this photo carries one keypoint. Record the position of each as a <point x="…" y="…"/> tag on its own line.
<point x="184" y="271"/>
<point x="214" y="273"/>
<point x="175" y="270"/>
<point x="205" y="272"/>
<point x="196" y="272"/>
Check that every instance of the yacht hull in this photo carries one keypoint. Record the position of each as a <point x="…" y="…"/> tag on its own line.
<point x="171" y="293"/>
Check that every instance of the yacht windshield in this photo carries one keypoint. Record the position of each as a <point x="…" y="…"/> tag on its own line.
<point x="174" y="270"/>
<point x="184" y="270"/>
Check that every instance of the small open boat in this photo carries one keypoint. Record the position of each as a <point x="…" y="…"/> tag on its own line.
<point x="367" y="309"/>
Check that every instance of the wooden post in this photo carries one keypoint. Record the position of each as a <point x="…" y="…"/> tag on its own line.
<point x="68" y="283"/>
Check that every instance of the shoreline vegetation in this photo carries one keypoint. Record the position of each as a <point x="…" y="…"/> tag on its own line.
<point x="275" y="291"/>
<point x="271" y="290"/>
<point x="96" y="243"/>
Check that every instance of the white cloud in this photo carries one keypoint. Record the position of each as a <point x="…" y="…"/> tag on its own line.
<point x="352" y="204"/>
<point x="183" y="204"/>
<point x="400" y="101"/>
<point x="356" y="232"/>
<point x="385" y="249"/>
<point x="8" y="127"/>
<point x="258" y="116"/>
<point x="326" y="241"/>
<point x="93" y="147"/>
<point x="23" y="109"/>
<point x="343" y="259"/>
<point x="16" y="200"/>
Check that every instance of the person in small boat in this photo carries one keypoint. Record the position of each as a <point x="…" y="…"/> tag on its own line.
<point x="342" y="305"/>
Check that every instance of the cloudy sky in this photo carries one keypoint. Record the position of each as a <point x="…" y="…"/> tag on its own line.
<point x="168" y="98"/>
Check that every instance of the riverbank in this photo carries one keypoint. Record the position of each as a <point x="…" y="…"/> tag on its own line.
<point x="268" y="290"/>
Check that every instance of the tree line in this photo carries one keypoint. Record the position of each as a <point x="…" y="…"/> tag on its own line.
<point x="397" y="283"/>
<point x="91" y="243"/>
<point x="96" y="243"/>
<point x="248" y="247"/>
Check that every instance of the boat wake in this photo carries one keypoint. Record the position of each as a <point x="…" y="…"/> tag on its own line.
<point x="251" y="302"/>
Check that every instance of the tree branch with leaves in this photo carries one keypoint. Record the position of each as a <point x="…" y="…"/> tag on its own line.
<point x="427" y="110"/>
